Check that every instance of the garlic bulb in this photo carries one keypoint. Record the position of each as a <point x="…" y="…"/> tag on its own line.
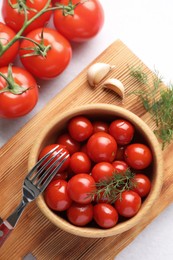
<point x="97" y="72"/>
<point x="115" y="85"/>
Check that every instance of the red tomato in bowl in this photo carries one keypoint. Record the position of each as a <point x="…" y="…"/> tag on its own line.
<point x="85" y="23"/>
<point x="54" y="62"/>
<point x="128" y="204"/>
<point x="17" y="105"/>
<point x="138" y="156"/>
<point x="14" y="17"/>
<point x="71" y="145"/>
<point x="101" y="147"/>
<point x="102" y="171"/>
<point x="120" y="166"/>
<point x="100" y="126"/>
<point x="80" y="187"/>
<point x="122" y="131"/>
<point x="56" y="195"/>
<point x="105" y="215"/>
<point x="80" y="162"/>
<point x="79" y="214"/>
<point x="142" y="184"/>
<point x="80" y="128"/>
<point x="6" y="35"/>
<point x="48" y="148"/>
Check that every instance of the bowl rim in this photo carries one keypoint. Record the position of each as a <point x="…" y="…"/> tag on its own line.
<point x="149" y="201"/>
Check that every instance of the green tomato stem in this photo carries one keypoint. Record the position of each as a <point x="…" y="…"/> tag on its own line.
<point x="38" y="49"/>
<point x="12" y="86"/>
<point x="25" y="25"/>
<point x="31" y="40"/>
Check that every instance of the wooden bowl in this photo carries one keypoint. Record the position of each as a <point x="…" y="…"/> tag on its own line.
<point x="100" y="111"/>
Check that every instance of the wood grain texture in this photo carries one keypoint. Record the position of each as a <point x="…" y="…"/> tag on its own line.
<point x="34" y="232"/>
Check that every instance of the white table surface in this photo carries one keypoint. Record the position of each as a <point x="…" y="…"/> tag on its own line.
<point x="146" y="28"/>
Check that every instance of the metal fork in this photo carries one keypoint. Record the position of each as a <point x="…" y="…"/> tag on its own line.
<point x="34" y="184"/>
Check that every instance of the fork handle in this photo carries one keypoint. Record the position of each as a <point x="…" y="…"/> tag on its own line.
<point x="5" y="230"/>
<point x="8" y="225"/>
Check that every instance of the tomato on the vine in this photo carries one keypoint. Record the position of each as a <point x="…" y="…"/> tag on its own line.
<point x="19" y="95"/>
<point x="56" y="195"/>
<point x="138" y="156"/>
<point x="79" y="214"/>
<point x="105" y="215"/>
<point x="14" y="15"/>
<point x="128" y="204"/>
<point x="81" y="187"/>
<point x="101" y="147"/>
<point x="86" y="21"/>
<point x="58" y="151"/>
<point x="6" y="35"/>
<point x="50" y="58"/>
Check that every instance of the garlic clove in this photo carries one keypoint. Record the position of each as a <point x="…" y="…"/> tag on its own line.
<point x="97" y="72"/>
<point x="115" y="85"/>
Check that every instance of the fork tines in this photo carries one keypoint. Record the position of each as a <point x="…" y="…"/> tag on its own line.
<point x="47" y="168"/>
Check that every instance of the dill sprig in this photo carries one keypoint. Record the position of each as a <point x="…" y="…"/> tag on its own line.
<point x="158" y="101"/>
<point x="112" y="188"/>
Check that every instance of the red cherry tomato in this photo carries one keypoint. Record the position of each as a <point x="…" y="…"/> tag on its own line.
<point x="122" y="131"/>
<point x="142" y="185"/>
<point x="120" y="166"/>
<point x="56" y="195"/>
<point x="105" y="215"/>
<point x="80" y="162"/>
<point x="80" y="215"/>
<point x="138" y="156"/>
<point x="102" y="171"/>
<point x="46" y="67"/>
<point x="71" y="145"/>
<point x="6" y="35"/>
<point x="16" y="105"/>
<point x="101" y="147"/>
<point x="80" y="187"/>
<point x="14" y="17"/>
<point x="48" y="148"/>
<point x="128" y="204"/>
<point x="80" y="128"/>
<point x="78" y="27"/>
<point x="100" y="126"/>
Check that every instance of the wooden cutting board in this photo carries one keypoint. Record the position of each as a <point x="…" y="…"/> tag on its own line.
<point x="34" y="233"/>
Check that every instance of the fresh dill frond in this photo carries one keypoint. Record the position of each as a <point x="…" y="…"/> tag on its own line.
<point x="138" y="74"/>
<point x="158" y="101"/>
<point x="112" y="188"/>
